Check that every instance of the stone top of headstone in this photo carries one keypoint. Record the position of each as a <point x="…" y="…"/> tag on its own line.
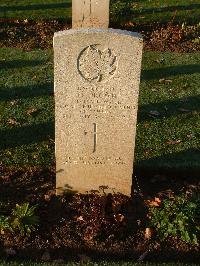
<point x="90" y="14"/>
<point x="110" y="30"/>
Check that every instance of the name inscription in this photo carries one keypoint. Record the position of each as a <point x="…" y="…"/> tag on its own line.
<point x="94" y="102"/>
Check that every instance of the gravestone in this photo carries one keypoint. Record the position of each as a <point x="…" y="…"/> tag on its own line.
<point x="90" y="14"/>
<point x="97" y="75"/>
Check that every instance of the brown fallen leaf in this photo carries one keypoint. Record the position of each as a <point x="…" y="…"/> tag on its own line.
<point x="32" y="111"/>
<point x="146" y="125"/>
<point x="173" y="142"/>
<point x="14" y="102"/>
<point x="190" y="136"/>
<point x="51" y="193"/>
<point x="159" y="60"/>
<point x="119" y="217"/>
<point x="80" y="218"/>
<point x="148" y="233"/>
<point x="130" y="24"/>
<point x="156" y="202"/>
<point x="13" y="122"/>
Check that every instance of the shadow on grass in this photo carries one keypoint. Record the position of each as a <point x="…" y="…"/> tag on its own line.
<point x="165" y="9"/>
<point x="24" y="135"/>
<point x="184" y="164"/>
<point x="185" y="106"/>
<point x="35" y="7"/>
<point x="127" y="14"/>
<point x="19" y="63"/>
<point x="158" y="73"/>
<point x="7" y="94"/>
<point x="128" y="11"/>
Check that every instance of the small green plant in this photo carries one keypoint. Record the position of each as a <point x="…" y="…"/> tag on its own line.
<point x="24" y="218"/>
<point x="4" y="223"/>
<point x="177" y="217"/>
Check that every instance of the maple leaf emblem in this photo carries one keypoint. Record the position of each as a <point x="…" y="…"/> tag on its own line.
<point x="97" y="65"/>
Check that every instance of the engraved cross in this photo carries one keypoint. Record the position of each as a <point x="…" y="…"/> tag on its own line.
<point x="94" y="136"/>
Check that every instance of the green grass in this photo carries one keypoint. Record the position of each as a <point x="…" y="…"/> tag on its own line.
<point x="172" y="101"/>
<point x="138" y="11"/>
<point x="35" y="9"/>
<point x="28" y="78"/>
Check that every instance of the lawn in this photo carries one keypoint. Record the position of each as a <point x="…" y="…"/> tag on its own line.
<point x="136" y="11"/>
<point x="168" y="120"/>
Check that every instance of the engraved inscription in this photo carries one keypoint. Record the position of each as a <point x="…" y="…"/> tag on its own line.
<point x="93" y="160"/>
<point x="95" y="65"/>
<point x="92" y="101"/>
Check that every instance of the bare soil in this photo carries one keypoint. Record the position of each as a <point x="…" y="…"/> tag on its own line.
<point x="30" y="35"/>
<point x="98" y="226"/>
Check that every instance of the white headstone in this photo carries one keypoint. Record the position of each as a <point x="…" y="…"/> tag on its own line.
<point x="90" y="14"/>
<point x="97" y="75"/>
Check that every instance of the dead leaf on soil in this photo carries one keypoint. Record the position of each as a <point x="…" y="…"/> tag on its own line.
<point x="80" y="218"/>
<point x="47" y="197"/>
<point x="119" y="217"/>
<point x="156" y="202"/>
<point x="148" y="233"/>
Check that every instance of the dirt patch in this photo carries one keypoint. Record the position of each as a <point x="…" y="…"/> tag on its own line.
<point x="94" y="226"/>
<point x="30" y="35"/>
